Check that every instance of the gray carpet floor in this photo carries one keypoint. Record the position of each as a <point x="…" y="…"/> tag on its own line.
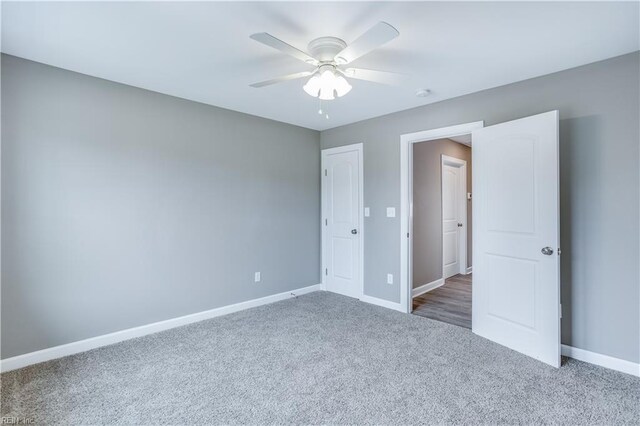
<point x="319" y="358"/>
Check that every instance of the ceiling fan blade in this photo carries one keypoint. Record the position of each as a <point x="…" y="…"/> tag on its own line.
<point x="276" y="43"/>
<point x="281" y="79"/>
<point x="375" y="37"/>
<point x="382" y="77"/>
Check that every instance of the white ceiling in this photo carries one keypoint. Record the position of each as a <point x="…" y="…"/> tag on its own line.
<point x="202" y="51"/>
<point x="463" y="139"/>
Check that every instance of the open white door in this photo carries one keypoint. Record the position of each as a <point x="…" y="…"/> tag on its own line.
<point x="516" y="271"/>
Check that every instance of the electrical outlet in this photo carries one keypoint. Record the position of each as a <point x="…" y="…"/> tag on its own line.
<point x="391" y="212"/>
<point x="256" y="277"/>
<point x="389" y="278"/>
<point x="367" y="212"/>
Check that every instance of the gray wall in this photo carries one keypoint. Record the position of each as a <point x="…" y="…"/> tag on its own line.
<point x="599" y="176"/>
<point x="122" y="207"/>
<point x="427" y="207"/>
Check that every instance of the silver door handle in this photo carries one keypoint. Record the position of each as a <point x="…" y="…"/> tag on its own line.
<point x="548" y="251"/>
<point x="354" y="231"/>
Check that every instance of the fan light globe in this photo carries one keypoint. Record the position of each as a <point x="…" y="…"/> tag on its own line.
<point x="313" y="86"/>
<point x="326" y="85"/>
<point x="326" y="94"/>
<point x="342" y="86"/>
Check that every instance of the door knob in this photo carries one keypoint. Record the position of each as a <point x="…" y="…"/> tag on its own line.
<point x="459" y="225"/>
<point x="547" y="251"/>
<point x="354" y="231"/>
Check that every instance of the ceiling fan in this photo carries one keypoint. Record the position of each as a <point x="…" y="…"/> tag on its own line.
<point x="329" y="55"/>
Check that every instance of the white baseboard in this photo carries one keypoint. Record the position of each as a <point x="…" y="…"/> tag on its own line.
<point x="381" y="302"/>
<point x="427" y="287"/>
<point x="602" y="360"/>
<point x="131" y="333"/>
<point x="469" y="270"/>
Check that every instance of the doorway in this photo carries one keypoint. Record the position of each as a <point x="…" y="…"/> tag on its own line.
<point x="441" y="274"/>
<point x="516" y="226"/>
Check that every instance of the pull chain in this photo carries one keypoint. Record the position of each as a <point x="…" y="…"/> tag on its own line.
<point x="322" y="111"/>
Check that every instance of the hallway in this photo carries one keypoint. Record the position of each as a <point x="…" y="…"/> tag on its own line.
<point x="449" y="303"/>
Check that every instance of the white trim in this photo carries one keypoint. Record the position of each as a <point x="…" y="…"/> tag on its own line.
<point x="339" y="149"/>
<point x="602" y="360"/>
<point x="425" y="288"/>
<point x="462" y="204"/>
<point x="131" y="333"/>
<point x="469" y="270"/>
<point x="382" y="302"/>
<point x="406" y="199"/>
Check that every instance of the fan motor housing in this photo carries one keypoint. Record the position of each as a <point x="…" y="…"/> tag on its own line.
<point x="324" y="49"/>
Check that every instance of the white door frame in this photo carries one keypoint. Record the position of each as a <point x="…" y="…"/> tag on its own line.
<point x="323" y="154"/>
<point x="406" y="197"/>
<point x="462" y="204"/>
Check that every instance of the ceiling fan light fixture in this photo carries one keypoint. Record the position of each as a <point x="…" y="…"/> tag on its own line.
<point x="328" y="54"/>
<point x="326" y="84"/>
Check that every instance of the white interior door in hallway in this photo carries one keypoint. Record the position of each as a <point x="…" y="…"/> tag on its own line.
<point x="454" y="236"/>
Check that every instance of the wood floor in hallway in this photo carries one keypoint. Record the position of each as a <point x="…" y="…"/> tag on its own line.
<point x="449" y="303"/>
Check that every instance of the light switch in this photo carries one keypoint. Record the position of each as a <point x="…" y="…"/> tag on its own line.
<point x="367" y="212"/>
<point x="391" y="212"/>
<point x="389" y="278"/>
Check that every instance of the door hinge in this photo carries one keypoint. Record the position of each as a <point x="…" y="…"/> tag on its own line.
<point x="561" y="311"/>
<point x="326" y="271"/>
<point x="325" y="172"/>
<point x="407" y="235"/>
<point x="325" y="222"/>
